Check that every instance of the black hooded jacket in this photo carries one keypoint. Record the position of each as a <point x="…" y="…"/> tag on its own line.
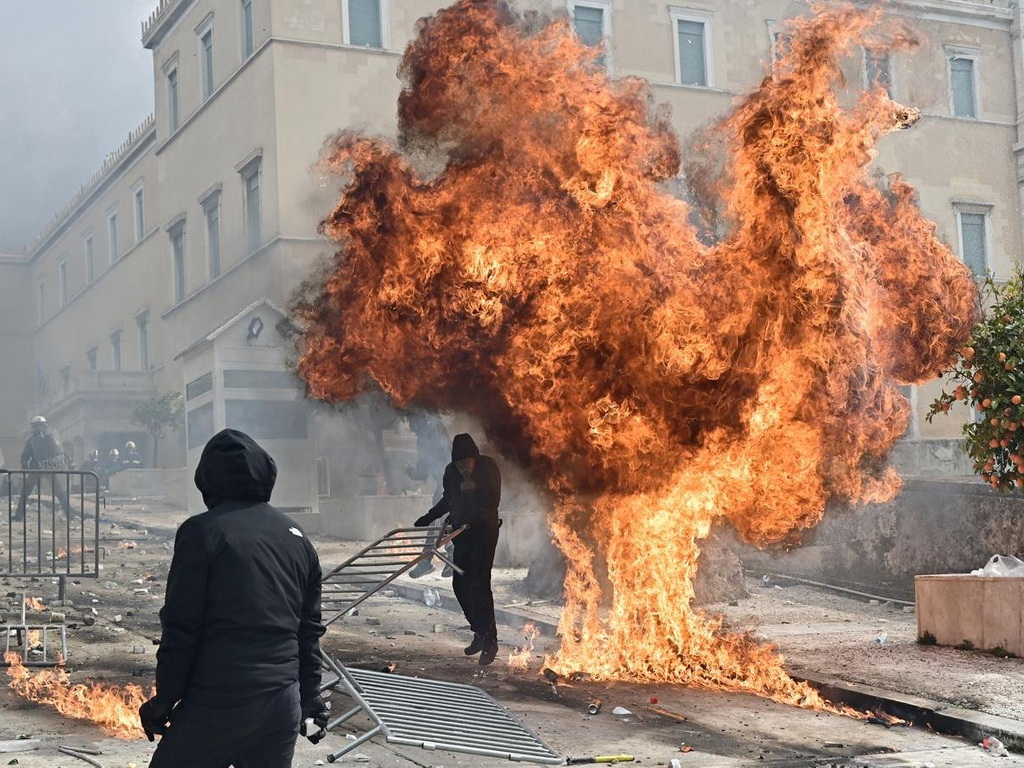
<point x="241" y="617"/>
<point x="469" y="501"/>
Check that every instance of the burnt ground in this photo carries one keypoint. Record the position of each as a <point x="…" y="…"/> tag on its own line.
<point x="817" y="632"/>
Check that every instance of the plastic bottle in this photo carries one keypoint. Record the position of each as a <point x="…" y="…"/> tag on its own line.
<point x="431" y="597"/>
<point x="880" y="637"/>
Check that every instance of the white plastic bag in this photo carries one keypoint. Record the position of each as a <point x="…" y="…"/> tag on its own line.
<point x="1001" y="565"/>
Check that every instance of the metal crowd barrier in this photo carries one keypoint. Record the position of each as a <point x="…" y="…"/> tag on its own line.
<point x="49" y="524"/>
<point x="431" y="714"/>
<point x="378" y="564"/>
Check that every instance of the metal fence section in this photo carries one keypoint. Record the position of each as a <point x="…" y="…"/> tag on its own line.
<point x="433" y="714"/>
<point x="378" y="564"/>
<point x="49" y="524"/>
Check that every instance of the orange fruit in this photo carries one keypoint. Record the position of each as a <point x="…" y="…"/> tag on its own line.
<point x="967" y="353"/>
<point x="994" y="422"/>
<point x="986" y="403"/>
<point x="979" y="377"/>
<point x="1002" y="357"/>
<point x="1015" y="399"/>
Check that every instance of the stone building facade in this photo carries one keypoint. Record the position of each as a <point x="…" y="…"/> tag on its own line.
<point x="204" y="221"/>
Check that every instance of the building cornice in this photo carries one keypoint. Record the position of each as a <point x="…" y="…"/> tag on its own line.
<point x="117" y="162"/>
<point x="160" y="21"/>
<point x="965" y="12"/>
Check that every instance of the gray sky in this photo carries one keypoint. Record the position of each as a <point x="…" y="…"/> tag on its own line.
<point x="74" y="80"/>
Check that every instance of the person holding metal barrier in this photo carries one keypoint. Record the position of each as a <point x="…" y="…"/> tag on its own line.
<point x="42" y="451"/>
<point x="238" y="666"/>
<point x="472" y="491"/>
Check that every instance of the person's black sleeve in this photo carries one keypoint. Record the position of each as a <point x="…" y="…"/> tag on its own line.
<point x="181" y="618"/>
<point x="449" y="483"/>
<point x="26" y="454"/>
<point x="490" y="486"/>
<point x="310" y="630"/>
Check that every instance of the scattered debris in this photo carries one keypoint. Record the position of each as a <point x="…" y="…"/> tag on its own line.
<point x="667" y="713"/>
<point x="995" y="746"/>
<point x="438" y="629"/>
<point x="594" y="706"/>
<point x="833" y="744"/>
<point x="82" y="753"/>
<point x="621" y="711"/>
<point x="880" y="638"/>
<point x="599" y="759"/>
<point x="372" y="621"/>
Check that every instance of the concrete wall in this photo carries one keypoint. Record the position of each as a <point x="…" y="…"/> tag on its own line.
<point x="931" y="527"/>
<point x="170" y="484"/>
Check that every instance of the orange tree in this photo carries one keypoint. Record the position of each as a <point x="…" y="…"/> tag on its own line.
<point x="989" y="376"/>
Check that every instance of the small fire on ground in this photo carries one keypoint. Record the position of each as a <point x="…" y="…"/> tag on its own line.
<point x="114" y="708"/>
<point x="519" y="658"/>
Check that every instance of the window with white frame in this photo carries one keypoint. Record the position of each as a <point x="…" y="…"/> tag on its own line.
<point x="112" y="251"/>
<point x="211" y="215"/>
<point x="692" y="39"/>
<point x="41" y="303"/>
<point x="250" y="174"/>
<point x="973" y="230"/>
<point x="115" y="350"/>
<point x="142" y="326"/>
<point x="878" y="70"/>
<point x="177" y="233"/>
<point x="90" y="266"/>
<point x="62" y="283"/>
<point x="248" y="30"/>
<point x="205" y="33"/>
<point x="592" y="23"/>
<point x="962" y="65"/>
<point x="365" y="22"/>
<point x="139" y="209"/>
<point x="173" y="113"/>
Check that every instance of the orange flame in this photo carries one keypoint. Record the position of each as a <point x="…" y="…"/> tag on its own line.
<point x="546" y="283"/>
<point x="127" y="545"/>
<point x="34" y="604"/>
<point x="114" y="708"/>
<point x="519" y="658"/>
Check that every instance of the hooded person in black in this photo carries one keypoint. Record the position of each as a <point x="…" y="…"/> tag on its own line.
<point x="238" y="665"/>
<point x="472" y="491"/>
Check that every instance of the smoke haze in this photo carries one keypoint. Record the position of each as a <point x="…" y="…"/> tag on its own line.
<point x="74" y="80"/>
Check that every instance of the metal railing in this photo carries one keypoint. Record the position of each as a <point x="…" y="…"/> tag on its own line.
<point x="378" y="564"/>
<point x="49" y="524"/>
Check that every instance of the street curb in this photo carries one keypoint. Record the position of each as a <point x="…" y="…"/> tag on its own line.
<point x="921" y="712"/>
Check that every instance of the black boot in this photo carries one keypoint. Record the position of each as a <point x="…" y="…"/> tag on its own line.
<point x="476" y="646"/>
<point x="490" y="651"/>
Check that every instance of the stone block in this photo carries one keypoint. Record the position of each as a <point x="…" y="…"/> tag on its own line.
<point x="985" y="612"/>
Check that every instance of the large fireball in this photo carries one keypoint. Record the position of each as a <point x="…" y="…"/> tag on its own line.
<point x="545" y="282"/>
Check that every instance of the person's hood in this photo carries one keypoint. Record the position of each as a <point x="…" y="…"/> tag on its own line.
<point x="234" y="467"/>
<point x="463" y="447"/>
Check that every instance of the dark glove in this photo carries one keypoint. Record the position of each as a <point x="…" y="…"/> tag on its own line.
<point x="155" y="715"/>
<point x="423" y="522"/>
<point x="315" y="716"/>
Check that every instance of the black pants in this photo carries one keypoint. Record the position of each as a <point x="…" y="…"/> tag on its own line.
<point x="258" y="734"/>
<point x="474" y="554"/>
<point x="60" y="492"/>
